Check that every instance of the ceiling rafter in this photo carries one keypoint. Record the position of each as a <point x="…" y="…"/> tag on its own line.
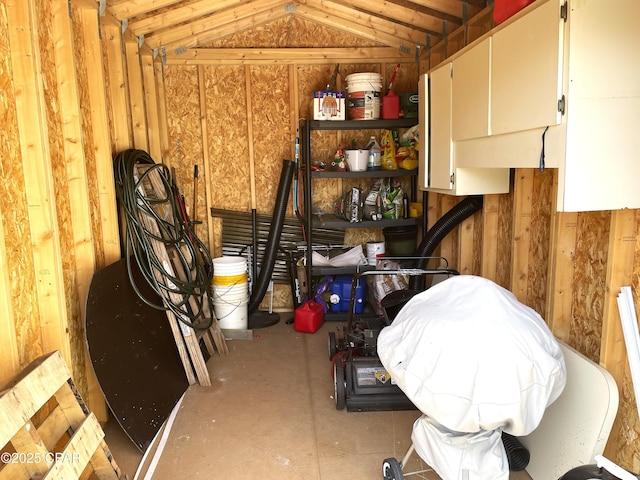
<point x="400" y="24"/>
<point x="194" y="33"/>
<point x="285" y="56"/>
<point x="180" y="14"/>
<point x="346" y="18"/>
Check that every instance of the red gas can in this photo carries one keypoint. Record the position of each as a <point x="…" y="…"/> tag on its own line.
<point x="308" y="317"/>
<point x="503" y="9"/>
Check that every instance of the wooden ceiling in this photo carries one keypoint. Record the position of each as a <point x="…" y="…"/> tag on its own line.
<point x="401" y="24"/>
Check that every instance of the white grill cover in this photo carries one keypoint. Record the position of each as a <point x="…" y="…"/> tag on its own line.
<point x="473" y="359"/>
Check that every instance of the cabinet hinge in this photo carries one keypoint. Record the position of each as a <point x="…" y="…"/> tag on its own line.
<point x="561" y="105"/>
<point x="564" y="13"/>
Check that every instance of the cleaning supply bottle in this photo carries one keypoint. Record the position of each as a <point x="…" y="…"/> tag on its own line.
<point x="373" y="162"/>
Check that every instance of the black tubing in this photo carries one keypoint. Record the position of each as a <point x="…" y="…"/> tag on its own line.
<point x="271" y="249"/>
<point x="517" y="454"/>
<point x="440" y="229"/>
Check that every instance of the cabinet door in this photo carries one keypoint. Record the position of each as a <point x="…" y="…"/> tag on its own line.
<point x="526" y="71"/>
<point x="441" y="151"/>
<point x="470" y="92"/>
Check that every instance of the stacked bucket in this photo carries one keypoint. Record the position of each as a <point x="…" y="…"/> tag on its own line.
<point x="230" y="292"/>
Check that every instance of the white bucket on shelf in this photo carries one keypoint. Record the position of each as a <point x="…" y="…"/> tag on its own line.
<point x="363" y="96"/>
<point x="375" y="250"/>
<point x="357" y="159"/>
<point x="230" y="292"/>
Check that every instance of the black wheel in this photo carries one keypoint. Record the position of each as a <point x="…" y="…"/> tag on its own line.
<point x="339" y="385"/>
<point x="333" y="345"/>
<point x="391" y="469"/>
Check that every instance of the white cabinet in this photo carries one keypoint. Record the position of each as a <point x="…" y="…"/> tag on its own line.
<point x="438" y="170"/>
<point x="555" y="86"/>
<point x="526" y="71"/>
<point x="470" y="92"/>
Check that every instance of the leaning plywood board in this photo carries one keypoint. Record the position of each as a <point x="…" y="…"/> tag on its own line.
<point x="46" y="430"/>
<point x="575" y="427"/>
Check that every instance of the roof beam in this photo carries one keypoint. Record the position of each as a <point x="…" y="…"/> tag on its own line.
<point x="284" y="56"/>
<point x="349" y="16"/>
<point x="398" y="13"/>
<point x="122" y="9"/>
<point x="181" y="14"/>
<point x="203" y="30"/>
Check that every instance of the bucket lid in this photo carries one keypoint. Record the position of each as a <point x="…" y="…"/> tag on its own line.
<point x="363" y="77"/>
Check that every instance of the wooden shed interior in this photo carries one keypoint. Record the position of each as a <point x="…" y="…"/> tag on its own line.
<point x="223" y="85"/>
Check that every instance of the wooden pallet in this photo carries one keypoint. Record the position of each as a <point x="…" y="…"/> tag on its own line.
<point x="46" y="430"/>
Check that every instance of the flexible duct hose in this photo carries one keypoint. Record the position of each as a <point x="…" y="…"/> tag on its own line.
<point x="517" y="454"/>
<point x="440" y="229"/>
<point x="271" y="249"/>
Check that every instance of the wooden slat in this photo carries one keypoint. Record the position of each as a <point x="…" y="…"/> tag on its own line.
<point x="562" y="266"/>
<point x="162" y="111"/>
<point x="117" y="92"/>
<point x="27" y="442"/>
<point x="180" y="14"/>
<point x="491" y="217"/>
<point x="401" y="14"/>
<point x="623" y="241"/>
<point x="286" y="56"/>
<point x="194" y="33"/>
<point x="79" y="451"/>
<point x="523" y="193"/>
<point x="249" y="113"/>
<point x="188" y="334"/>
<point x="39" y="188"/>
<point x="101" y="135"/>
<point x="209" y="182"/>
<point x="9" y="358"/>
<point x="402" y="34"/>
<point x="122" y="9"/>
<point x="136" y="93"/>
<point x="150" y="103"/>
<point x="466" y="246"/>
<point x="401" y="45"/>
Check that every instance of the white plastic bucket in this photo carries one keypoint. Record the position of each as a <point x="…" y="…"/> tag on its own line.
<point x="374" y="251"/>
<point x="230" y="292"/>
<point x="357" y="159"/>
<point x="363" y="96"/>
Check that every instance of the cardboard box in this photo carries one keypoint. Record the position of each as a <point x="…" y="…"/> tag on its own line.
<point x="329" y="105"/>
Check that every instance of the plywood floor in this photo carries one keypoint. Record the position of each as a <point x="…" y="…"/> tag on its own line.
<point x="270" y="414"/>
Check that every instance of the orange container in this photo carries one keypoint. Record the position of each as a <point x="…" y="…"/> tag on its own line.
<point x="308" y="317"/>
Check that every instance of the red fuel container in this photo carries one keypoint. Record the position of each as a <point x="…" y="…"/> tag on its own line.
<point x="390" y="106"/>
<point x="503" y="9"/>
<point x="308" y="317"/>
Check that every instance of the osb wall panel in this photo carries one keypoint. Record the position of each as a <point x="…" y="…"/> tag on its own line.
<point x="228" y="137"/>
<point x="542" y="204"/>
<point x="271" y="132"/>
<point x="589" y="283"/>
<point x="62" y="203"/>
<point x="185" y="131"/>
<point x="87" y="136"/>
<point x="14" y="216"/>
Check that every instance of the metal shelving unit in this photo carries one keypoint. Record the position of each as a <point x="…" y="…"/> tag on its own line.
<point x="312" y="222"/>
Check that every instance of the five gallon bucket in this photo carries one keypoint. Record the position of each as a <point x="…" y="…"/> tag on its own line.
<point x="363" y="96"/>
<point x="230" y="292"/>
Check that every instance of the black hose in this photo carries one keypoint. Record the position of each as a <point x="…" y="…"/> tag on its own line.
<point x="440" y="229"/>
<point x="271" y="249"/>
<point x="517" y="454"/>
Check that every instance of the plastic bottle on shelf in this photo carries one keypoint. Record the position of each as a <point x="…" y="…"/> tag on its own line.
<point x="373" y="162"/>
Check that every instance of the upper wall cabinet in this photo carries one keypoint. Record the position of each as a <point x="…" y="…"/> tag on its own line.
<point x="526" y="71"/>
<point x="555" y="86"/>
